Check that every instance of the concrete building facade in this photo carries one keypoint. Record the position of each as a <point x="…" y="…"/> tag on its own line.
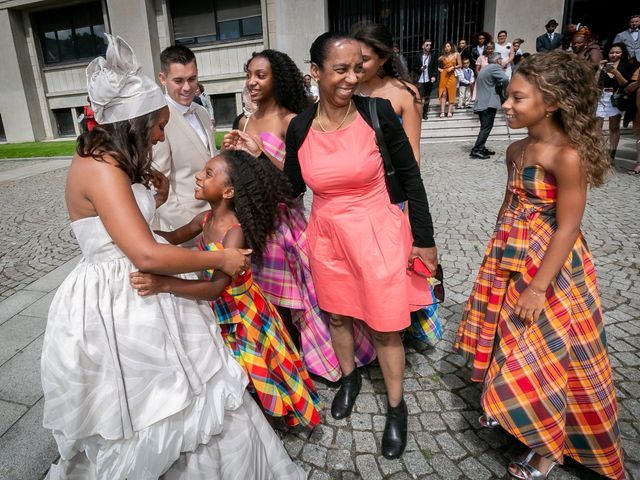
<point x="45" y="46"/>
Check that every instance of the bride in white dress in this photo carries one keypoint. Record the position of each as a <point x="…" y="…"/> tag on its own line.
<point x="141" y="387"/>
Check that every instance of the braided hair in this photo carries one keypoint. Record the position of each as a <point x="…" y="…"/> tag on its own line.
<point x="260" y="189"/>
<point x="288" y="85"/>
<point x="380" y="39"/>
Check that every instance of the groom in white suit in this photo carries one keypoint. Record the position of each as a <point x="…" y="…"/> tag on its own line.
<point x="189" y="141"/>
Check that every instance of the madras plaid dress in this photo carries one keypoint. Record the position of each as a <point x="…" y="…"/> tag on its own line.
<point x="253" y="330"/>
<point x="548" y="384"/>
<point x="285" y="278"/>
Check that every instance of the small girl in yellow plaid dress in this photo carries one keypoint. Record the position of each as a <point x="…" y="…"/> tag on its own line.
<point x="533" y="324"/>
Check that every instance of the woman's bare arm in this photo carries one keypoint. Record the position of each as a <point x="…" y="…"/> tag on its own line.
<point x="108" y="190"/>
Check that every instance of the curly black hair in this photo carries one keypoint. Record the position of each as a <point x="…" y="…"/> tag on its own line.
<point x="128" y="142"/>
<point x="260" y="189"/>
<point x="288" y="85"/>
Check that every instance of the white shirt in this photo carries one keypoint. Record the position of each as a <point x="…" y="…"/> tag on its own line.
<point x="634" y="35"/>
<point x="191" y="118"/>
<point x="424" y="76"/>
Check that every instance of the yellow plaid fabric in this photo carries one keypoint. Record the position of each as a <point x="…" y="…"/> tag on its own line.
<point x="548" y="384"/>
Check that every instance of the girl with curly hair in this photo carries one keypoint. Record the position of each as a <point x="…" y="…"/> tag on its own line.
<point x="276" y="94"/>
<point x="244" y="193"/>
<point x="533" y="323"/>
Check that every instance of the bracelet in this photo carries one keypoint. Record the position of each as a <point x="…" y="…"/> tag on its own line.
<point x="537" y="294"/>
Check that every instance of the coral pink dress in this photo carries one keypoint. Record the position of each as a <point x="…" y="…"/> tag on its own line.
<point x="359" y="243"/>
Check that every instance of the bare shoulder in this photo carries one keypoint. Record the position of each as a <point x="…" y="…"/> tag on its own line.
<point x="286" y="119"/>
<point x="567" y="158"/>
<point x="88" y="180"/>
<point x="404" y="93"/>
<point x="515" y="148"/>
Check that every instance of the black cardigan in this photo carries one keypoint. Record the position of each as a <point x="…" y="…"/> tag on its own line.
<point x="402" y="158"/>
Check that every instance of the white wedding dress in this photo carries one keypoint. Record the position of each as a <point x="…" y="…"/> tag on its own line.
<point x="143" y="387"/>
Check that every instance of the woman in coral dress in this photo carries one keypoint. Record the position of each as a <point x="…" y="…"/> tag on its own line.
<point x="360" y="244"/>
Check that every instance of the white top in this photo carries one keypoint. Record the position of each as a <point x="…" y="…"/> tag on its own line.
<point x="191" y="118"/>
<point x="504" y="51"/>
<point x="424" y="76"/>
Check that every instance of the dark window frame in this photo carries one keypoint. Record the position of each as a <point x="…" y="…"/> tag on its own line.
<point x="72" y="25"/>
<point x="212" y="37"/>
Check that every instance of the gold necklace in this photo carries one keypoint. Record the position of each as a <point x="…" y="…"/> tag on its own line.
<point x="339" y="125"/>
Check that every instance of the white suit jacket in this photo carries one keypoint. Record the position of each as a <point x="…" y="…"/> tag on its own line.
<point x="180" y="157"/>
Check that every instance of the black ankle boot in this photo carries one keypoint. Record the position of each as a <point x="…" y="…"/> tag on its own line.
<point x="346" y="395"/>
<point x="394" y="438"/>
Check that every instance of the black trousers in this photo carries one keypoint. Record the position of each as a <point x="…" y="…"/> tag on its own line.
<point x="487" y="118"/>
<point x="425" y="94"/>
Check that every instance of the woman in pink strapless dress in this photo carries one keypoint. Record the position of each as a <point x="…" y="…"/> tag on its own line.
<point x="285" y="276"/>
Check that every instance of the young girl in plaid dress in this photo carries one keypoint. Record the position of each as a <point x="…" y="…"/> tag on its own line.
<point x="244" y="194"/>
<point x="533" y="324"/>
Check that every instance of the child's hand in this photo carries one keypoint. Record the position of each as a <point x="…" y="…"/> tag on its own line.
<point x="235" y="261"/>
<point x="530" y="305"/>
<point x="146" y="283"/>
<point x="161" y="185"/>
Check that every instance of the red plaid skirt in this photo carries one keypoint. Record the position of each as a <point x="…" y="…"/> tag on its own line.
<point x="549" y="384"/>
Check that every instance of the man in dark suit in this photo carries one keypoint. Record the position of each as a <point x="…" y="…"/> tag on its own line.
<point x="424" y="69"/>
<point x="550" y="40"/>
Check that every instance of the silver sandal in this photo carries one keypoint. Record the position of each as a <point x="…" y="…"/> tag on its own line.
<point x="523" y="470"/>
<point x="486" y="421"/>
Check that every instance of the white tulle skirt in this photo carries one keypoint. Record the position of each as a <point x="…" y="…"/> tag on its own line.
<point x="143" y="387"/>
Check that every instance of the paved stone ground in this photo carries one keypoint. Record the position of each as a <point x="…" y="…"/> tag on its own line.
<point x="445" y="441"/>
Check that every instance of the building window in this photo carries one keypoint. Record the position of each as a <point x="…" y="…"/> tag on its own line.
<point x="64" y="122"/>
<point x="224" y="109"/>
<point x="3" y="136"/>
<point x="71" y="34"/>
<point x="205" y="21"/>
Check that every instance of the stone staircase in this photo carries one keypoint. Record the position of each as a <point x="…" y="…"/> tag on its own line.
<point x="464" y="126"/>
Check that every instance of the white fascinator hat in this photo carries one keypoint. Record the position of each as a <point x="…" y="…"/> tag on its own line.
<point x="117" y="88"/>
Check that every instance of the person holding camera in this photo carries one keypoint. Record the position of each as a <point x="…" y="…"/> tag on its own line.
<point x="613" y="75"/>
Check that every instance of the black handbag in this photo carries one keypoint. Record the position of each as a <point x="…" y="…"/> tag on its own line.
<point x="396" y="192"/>
<point x="619" y="100"/>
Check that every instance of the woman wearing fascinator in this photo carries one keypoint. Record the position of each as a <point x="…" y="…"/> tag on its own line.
<point x="274" y="94"/>
<point x="139" y="387"/>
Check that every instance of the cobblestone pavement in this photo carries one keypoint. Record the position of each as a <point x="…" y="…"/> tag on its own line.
<point x="445" y="441"/>
<point x="34" y="228"/>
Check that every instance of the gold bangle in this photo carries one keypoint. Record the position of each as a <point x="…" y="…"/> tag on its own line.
<point x="537" y="294"/>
